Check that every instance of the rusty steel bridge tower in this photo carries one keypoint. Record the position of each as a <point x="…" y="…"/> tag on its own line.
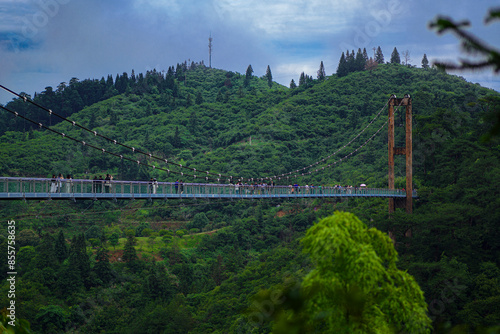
<point x="407" y="151"/>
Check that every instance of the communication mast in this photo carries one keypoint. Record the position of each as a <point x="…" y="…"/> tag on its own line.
<point x="210" y="51"/>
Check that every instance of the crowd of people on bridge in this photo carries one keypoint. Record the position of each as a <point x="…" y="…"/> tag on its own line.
<point x="57" y="184"/>
<point x="99" y="184"/>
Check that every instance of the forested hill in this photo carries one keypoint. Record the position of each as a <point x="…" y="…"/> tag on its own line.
<point x="223" y="122"/>
<point x="194" y="266"/>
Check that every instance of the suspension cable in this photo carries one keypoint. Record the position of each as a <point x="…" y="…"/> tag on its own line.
<point x="134" y="150"/>
<point x="40" y="125"/>
<point x="297" y="171"/>
<point x="96" y="134"/>
<point x="351" y="153"/>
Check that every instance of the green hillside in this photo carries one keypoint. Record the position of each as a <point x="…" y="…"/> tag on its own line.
<point x="200" y="262"/>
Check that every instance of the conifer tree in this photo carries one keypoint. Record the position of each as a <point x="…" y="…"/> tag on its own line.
<point x="395" y="59"/>
<point x="102" y="267"/>
<point x="157" y="285"/>
<point x="321" y="72"/>
<point x="379" y="56"/>
<point x="129" y="252"/>
<point x="302" y="79"/>
<point x="365" y="55"/>
<point x="425" y="62"/>
<point x="109" y="81"/>
<point x="293" y="84"/>
<point x="248" y="75"/>
<point x="350" y="60"/>
<point x="359" y="62"/>
<point x="269" y="76"/>
<point x="114" y="239"/>
<point x="342" y="68"/>
<point x="79" y="259"/>
<point x="60" y="247"/>
<point x="46" y="255"/>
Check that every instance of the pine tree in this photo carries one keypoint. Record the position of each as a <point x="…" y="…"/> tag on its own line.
<point x="342" y="68"/>
<point x="351" y="63"/>
<point x="293" y="84"/>
<point x="302" y="80"/>
<point x="379" y="56"/>
<point x="248" y="75"/>
<point x="78" y="255"/>
<point x="45" y="253"/>
<point x="365" y="55"/>
<point x="321" y="72"/>
<point x="359" y="62"/>
<point x="60" y="247"/>
<point x="114" y="239"/>
<point x="269" y="76"/>
<point x="157" y="284"/>
<point x="425" y="62"/>
<point x="395" y="59"/>
<point x="129" y="252"/>
<point x="102" y="267"/>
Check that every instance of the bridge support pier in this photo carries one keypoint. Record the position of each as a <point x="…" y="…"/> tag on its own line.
<point x="407" y="151"/>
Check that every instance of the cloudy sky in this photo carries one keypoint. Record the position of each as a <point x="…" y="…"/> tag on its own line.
<point x="46" y="42"/>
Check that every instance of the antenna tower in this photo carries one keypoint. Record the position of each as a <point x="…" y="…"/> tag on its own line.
<point x="210" y="51"/>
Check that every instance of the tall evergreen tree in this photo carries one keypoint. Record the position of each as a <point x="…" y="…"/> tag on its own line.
<point x="365" y="55"/>
<point x="45" y="253"/>
<point x="321" y="72"/>
<point x="379" y="56"/>
<point x="350" y="60"/>
<point x="79" y="259"/>
<point x="60" y="247"/>
<point x="342" y="68"/>
<point x="109" y="81"/>
<point x="269" y="76"/>
<point x="102" y="267"/>
<point x="129" y="252"/>
<point x="157" y="284"/>
<point x="395" y="59"/>
<point x="359" y="62"/>
<point x="293" y="84"/>
<point x="425" y="62"/>
<point x="248" y="75"/>
<point x="302" y="80"/>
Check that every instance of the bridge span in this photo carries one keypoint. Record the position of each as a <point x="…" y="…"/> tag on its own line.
<point x="16" y="188"/>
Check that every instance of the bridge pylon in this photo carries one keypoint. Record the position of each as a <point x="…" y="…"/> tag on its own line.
<point x="407" y="151"/>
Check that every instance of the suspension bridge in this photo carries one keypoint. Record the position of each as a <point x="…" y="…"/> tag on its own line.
<point x="63" y="189"/>
<point x="42" y="188"/>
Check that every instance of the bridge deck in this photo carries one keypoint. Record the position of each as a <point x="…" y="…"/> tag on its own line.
<point x="39" y="188"/>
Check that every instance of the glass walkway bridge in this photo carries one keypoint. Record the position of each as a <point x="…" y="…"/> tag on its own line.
<point x="15" y="188"/>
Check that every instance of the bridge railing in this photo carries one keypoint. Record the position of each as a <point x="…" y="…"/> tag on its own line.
<point x="52" y="187"/>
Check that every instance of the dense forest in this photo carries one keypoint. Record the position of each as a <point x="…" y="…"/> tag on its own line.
<point x="214" y="266"/>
